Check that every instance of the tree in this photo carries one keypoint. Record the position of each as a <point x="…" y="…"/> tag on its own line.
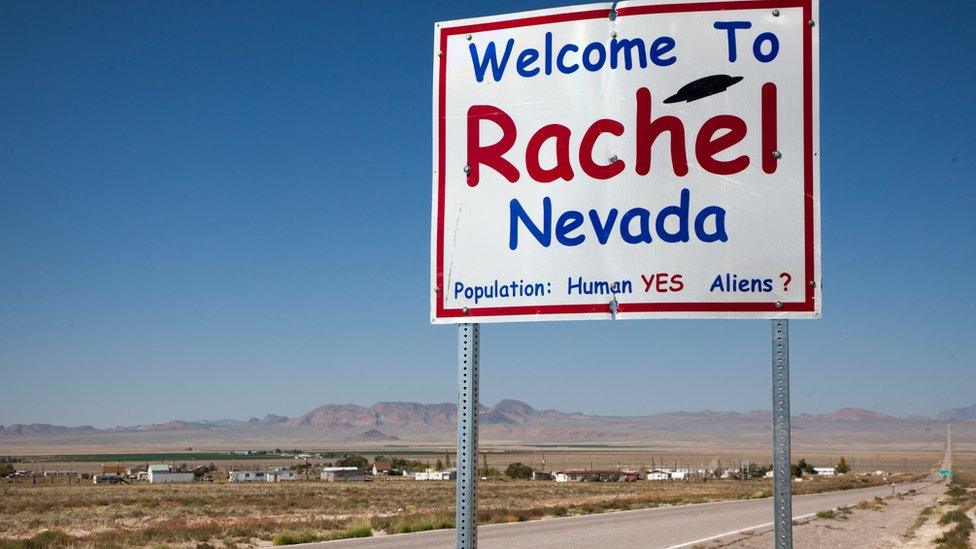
<point x="439" y="466"/>
<point x="518" y="471"/>
<point x="756" y="471"/>
<point x="353" y="460"/>
<point x="842" y="466"/>
<point x="802" y="467"/>
<point x="6" y="469"/>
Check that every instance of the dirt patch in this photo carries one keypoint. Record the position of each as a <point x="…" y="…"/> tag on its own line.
<point x="876" y="523"/>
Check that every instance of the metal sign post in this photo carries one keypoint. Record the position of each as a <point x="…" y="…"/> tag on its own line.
<point x="469" y="352"/>
<point x="782" y="473"/>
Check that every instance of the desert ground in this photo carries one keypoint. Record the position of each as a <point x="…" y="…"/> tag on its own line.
<point x="38" y="511"/>
<point x="939" y="516"/>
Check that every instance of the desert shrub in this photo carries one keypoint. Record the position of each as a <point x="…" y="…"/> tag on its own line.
<point x="958" y="536"/>
<point x="518" y="471"/>
<point x="43" y="540"/>
<point x="405" y="525"/>
<point x="956" y="491"/>
<point x="293" y="539"/>
<point x="956" y="515"/>
<point x="361" y="530"/>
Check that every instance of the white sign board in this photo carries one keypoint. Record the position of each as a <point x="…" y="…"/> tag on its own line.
<point x="656" y="161"/>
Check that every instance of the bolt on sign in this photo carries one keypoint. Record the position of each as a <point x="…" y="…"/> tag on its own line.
<point x="636" y="160"/>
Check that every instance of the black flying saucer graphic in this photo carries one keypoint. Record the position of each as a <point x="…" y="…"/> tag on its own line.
<point x="704" y="87"/>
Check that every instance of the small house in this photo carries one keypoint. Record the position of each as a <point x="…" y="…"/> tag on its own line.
<point x="162" y="474"/>
<point x="106" y="479"/>
<point x="447" y="474"/>
<point x="133" y="472"/>
<point x="280" y="474"/>
<point x="382" y="467"/>
<point x="588" y="475"/>
<point x="629" y="476"/>
<point x="245" y="476"/>
<point x="430" y="474"/>
<point x="658" y="474"/>
<point x="113" y="469"/>
<point x="343" y="474"/>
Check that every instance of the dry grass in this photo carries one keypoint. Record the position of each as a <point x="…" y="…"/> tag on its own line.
<point x="261" y="514"/>
<point x="965" y="478"/>
<point x="961" y="500"/>
<point x="920" y="521"/>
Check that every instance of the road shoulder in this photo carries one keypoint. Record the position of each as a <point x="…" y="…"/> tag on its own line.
<point x="874" y="523"/>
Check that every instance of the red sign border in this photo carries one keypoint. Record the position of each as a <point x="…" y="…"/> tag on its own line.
<point x="808" y="305"/>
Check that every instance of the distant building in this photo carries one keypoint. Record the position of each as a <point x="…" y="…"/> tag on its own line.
<point x="162" y="474"/>
<point x="280" y="474"/>
<point x="69" y="474"/>
<point x="382" y="467"/>
<point x="658" y="474"/>
<point x="629" y="476"/>
<point x="245" y="476"/>
<point x="825" y="471"/>
<point x="430" y="474"/>
<point x="135" y="470"/>
<point x="106" y="479"/>
<point x="277" y="474"/>
<point x="113" y="469"/>
<point x="541" y="475"/>
<point x="589" y="475"/>
<point x="343" y="474"/>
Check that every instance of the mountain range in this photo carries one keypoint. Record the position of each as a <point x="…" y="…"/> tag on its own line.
<point x="509" y="419"/>
<point x="964" y="413"/>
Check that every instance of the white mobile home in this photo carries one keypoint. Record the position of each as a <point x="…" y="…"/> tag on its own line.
<point x="430" y="474"/>
<point x="161" y="474"/>
<point x="657" y="474"/>
<point x="343" y="474"/>
<point x="279" y="474"/>
<point x="245" y="476"/>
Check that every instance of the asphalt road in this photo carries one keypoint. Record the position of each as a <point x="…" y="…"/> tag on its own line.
<point x="678" y="526"/>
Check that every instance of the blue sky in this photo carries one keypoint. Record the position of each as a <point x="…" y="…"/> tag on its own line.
<point x="222" y="210"/>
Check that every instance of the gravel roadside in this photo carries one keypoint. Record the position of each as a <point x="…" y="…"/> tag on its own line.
<point x="879" y="523"/>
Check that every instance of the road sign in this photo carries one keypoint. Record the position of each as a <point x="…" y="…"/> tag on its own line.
<point x="648" y="161"/>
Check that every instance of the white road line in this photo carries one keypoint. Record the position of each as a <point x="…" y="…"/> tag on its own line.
<point x="734" y="532"/>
